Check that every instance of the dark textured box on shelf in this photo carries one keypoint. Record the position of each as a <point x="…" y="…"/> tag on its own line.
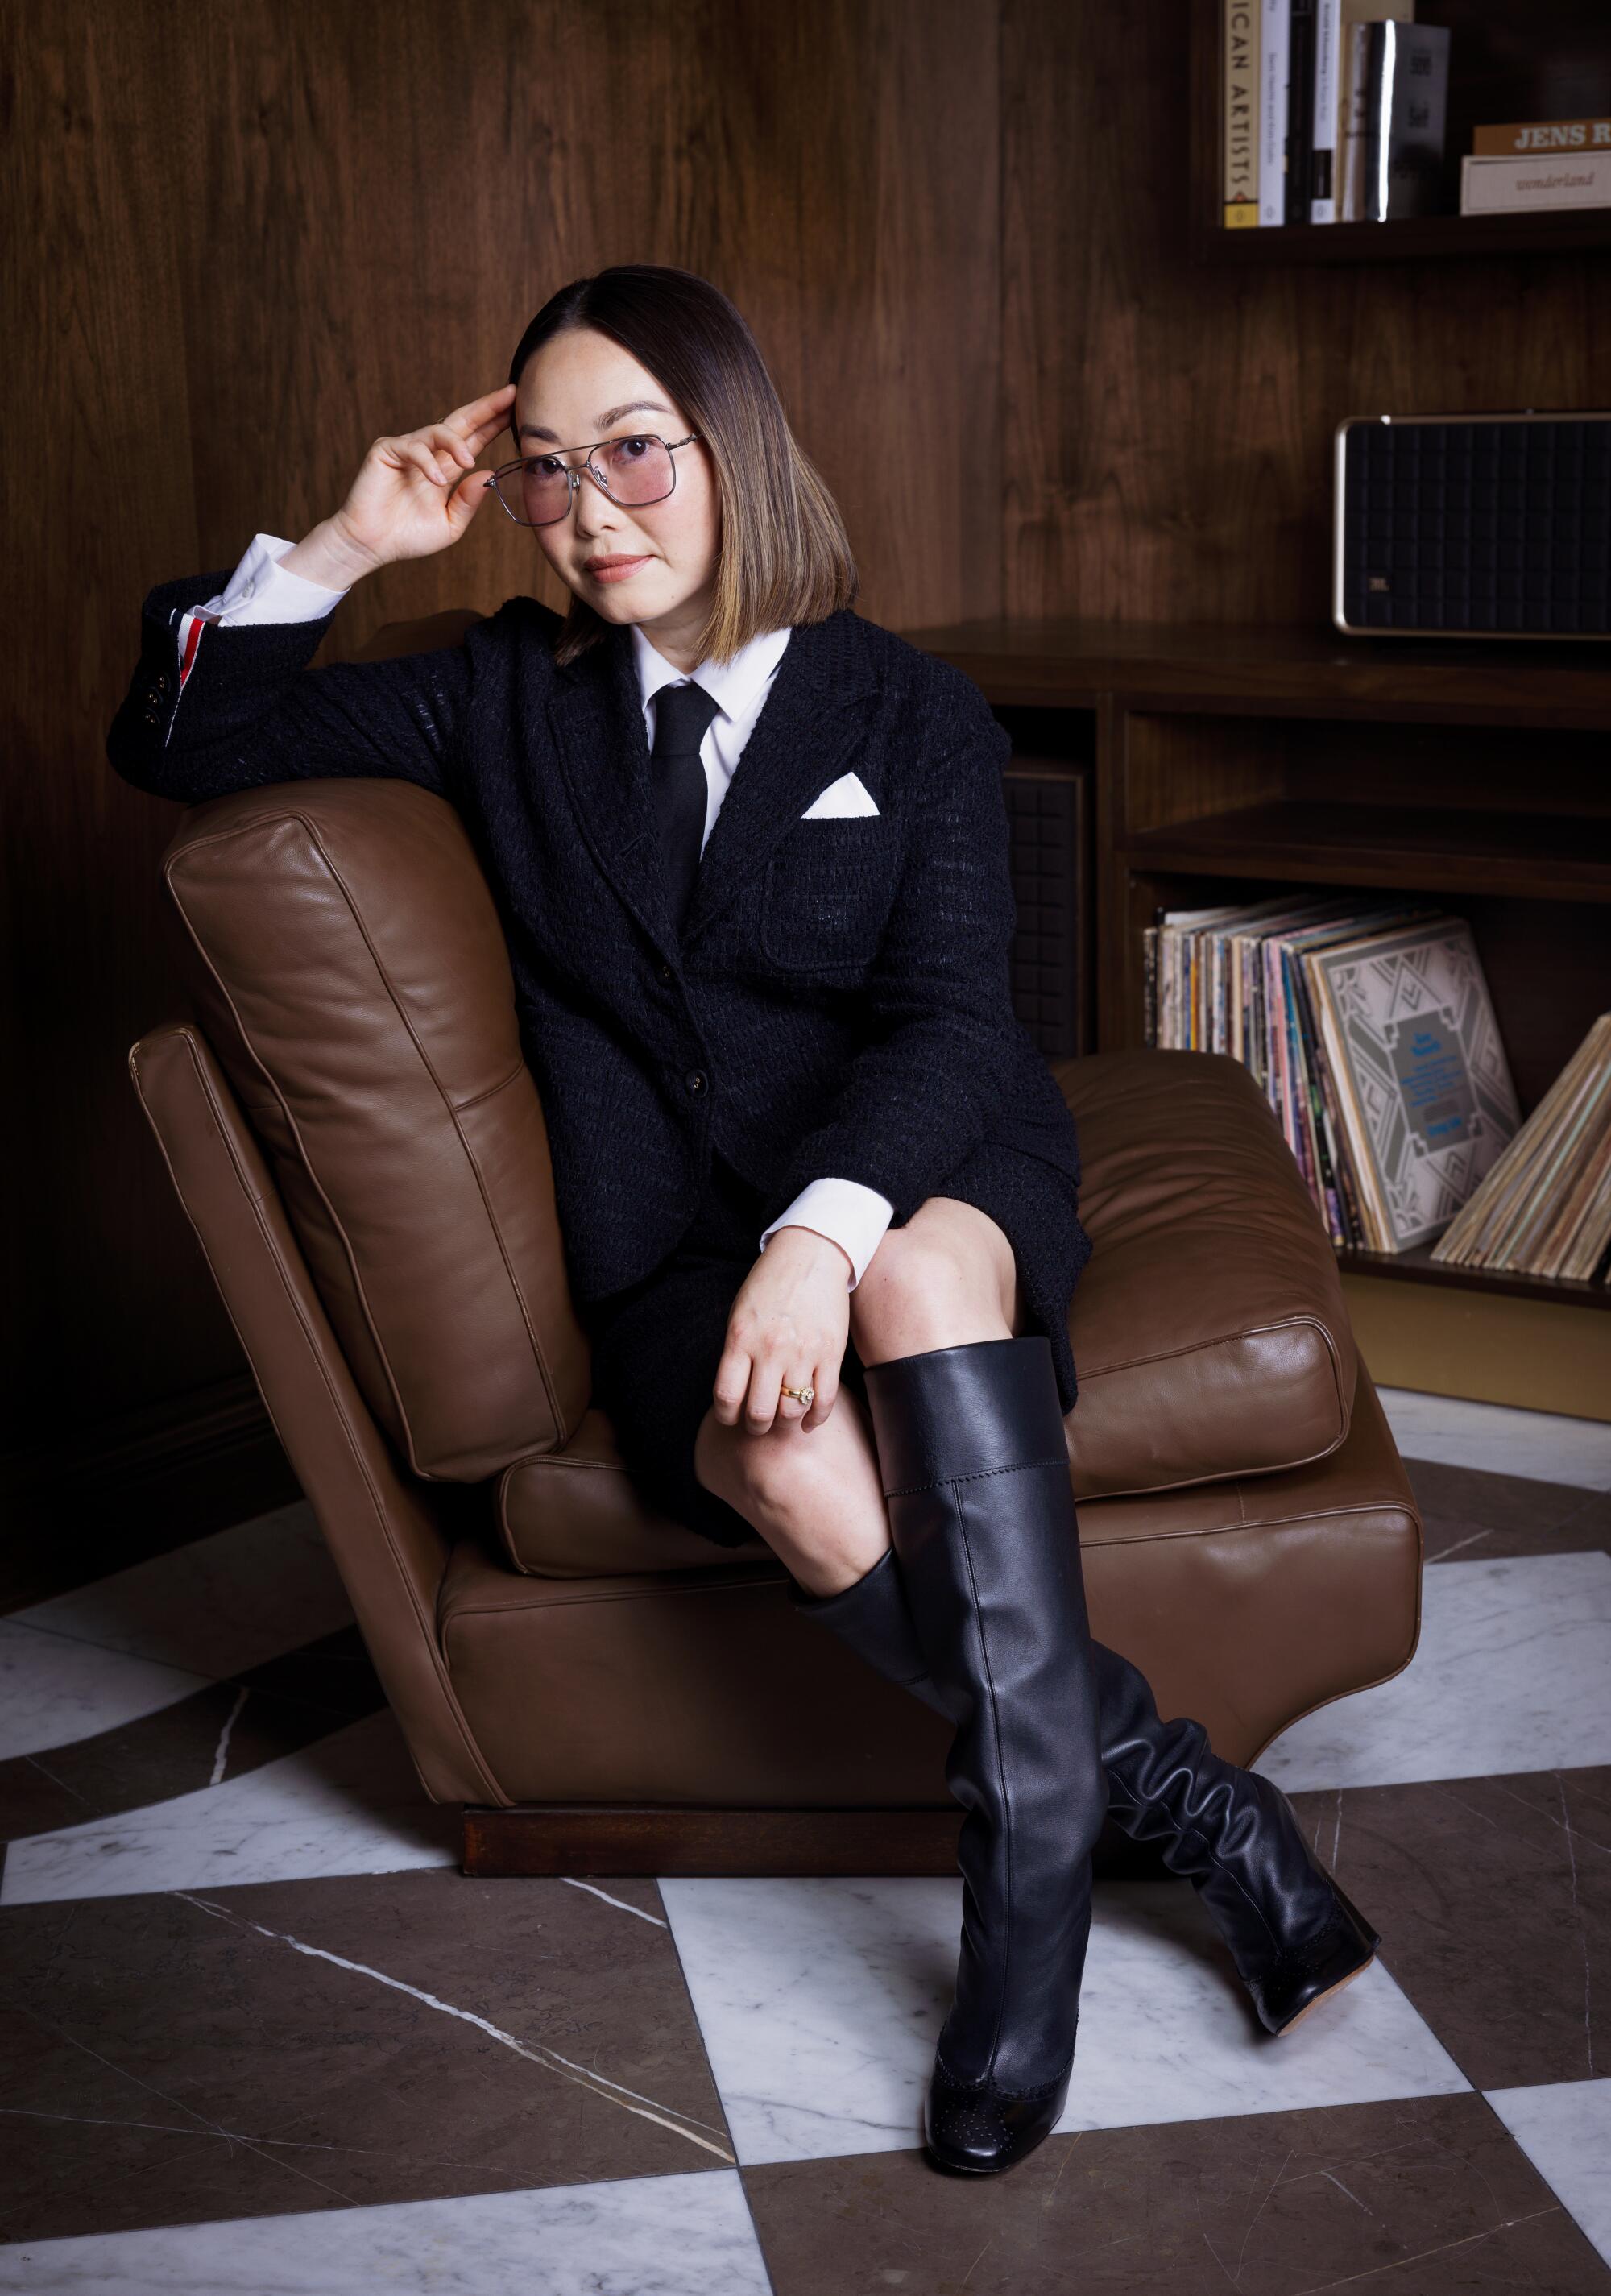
<point x="1052" y="952"/>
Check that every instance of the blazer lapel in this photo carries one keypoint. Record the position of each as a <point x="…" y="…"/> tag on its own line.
<point x="807" y="730"/>
<point x="810" y="725"/>
<point x="597" y="720"/>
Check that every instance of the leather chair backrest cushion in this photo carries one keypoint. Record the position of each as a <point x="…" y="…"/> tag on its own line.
<point x="351" y="974"/>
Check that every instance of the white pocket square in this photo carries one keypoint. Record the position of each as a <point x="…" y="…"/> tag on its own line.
<point x="848" y="795"/>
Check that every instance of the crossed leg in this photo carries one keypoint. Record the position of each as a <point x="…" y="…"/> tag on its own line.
<point x="946" y="1278"/>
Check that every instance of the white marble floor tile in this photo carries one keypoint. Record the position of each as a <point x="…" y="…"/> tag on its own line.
<point x="674" y="2235"/>
<point x="821" y="2002"/>
<point x="223" y="1603"/>
<point x="1544" y="1446"/>
<point x="1512" y="1672"/>
<point x="54" y="1691"/>
<point x="350" y="1804"/>
<point x="1565" y="2130"/>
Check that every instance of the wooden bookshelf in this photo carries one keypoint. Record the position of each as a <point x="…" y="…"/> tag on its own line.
<point x="1410" y="239"/>
<point x="1228" y="760"/>
<point x="1551" y="59"/>
<point x="1416" y="1265"/>
<point x="1402" y="849"/>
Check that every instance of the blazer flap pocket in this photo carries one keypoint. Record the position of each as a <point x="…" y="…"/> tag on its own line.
<point x="829" y="888"/>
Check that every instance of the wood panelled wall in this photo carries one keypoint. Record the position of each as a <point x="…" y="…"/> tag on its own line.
<point x="1169" y="423"/>
<point x="244" y="241"/>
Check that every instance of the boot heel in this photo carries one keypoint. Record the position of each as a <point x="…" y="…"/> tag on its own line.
<point x="1302" y="1976"/>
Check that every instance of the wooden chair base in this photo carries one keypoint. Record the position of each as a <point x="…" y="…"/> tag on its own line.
<point x="672" y="1839"/>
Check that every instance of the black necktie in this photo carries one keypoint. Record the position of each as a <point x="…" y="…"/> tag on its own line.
<point x="681" y="715"/>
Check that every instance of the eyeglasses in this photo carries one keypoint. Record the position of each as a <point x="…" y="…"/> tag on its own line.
<point x="538" y="490"/>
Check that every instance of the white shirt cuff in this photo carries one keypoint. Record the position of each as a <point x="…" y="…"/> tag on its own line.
<point x="260" y="590"/>
<point x="847" y="1213"/>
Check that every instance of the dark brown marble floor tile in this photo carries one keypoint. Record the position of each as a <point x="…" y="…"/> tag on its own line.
<point x="1426" y="2197"/>
<point x="70" y="1531"/>
<point x="226" y="1729"/>
<point x="1493" y="1900"/>
<point x="1468" y="1515"/>
<point x="333" y="1674"/>
<point x="171" y="2063"/>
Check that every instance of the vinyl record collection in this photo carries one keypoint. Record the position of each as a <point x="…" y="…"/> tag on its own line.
<point x="1370" y="1031"/>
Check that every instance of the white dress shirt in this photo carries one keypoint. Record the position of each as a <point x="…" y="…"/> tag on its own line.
<point x="260" y="590"/>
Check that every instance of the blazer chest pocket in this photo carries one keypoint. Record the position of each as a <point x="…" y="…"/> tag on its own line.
<point x="828" y="891"/>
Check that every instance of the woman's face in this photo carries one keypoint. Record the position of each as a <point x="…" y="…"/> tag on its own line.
<point x="580" y="387"/>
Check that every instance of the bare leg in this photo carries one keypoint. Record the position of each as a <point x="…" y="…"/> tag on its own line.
<point x="947" y="1277"/>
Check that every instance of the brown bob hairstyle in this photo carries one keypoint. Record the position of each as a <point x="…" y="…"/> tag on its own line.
<point x="784" y="556"/>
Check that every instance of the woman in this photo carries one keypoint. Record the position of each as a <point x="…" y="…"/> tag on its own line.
<point x="797" y="1129"/>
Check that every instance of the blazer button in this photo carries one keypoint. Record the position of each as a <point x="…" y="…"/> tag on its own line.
<point x="695" y="1080"/>
<point x="161" y="682"/>
<point x="155" y="699"/>
<point x="151" y="717"/>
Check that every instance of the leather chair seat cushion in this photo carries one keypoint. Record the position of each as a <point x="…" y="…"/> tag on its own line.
<point x="1208" y="1328"/>
<point x="1245" y="1604"/>
<point x="580" y="1513"/>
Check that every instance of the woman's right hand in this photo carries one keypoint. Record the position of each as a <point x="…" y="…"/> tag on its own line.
<point x="411" y="497"/>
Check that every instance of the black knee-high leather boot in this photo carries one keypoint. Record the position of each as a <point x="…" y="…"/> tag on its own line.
<point x="1292" y="1934"/>
<point x="975" y="1470"/>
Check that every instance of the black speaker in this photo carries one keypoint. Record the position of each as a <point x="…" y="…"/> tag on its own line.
<point x="1049" y="814"/>
<point x="1473" y="525"/>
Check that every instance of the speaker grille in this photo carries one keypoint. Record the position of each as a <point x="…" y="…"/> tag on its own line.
<point x="1050" y="957"/>
<point x="1501" y="527"/>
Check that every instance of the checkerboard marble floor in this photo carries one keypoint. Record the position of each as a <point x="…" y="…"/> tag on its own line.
<point x="261" y="2036"/>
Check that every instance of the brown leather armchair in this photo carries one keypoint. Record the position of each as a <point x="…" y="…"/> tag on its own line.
<point x="353" y="1133"/>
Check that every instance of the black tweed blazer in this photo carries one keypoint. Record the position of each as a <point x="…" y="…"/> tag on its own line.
<point x="839" y="1003"/>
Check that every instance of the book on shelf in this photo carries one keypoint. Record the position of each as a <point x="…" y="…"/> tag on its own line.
<point x="1323" y="112"/>
<point x="1349" y="127"/>
<point x="1395" y="136"/>
<point x="1516" y="138"/>
<point x="1286" y="98"/>
<point x="1545" y="1207"/>
<point x="1238" y="80"/>
<point x="1300" y="111"/>
<point x="1369" y="1030"/>
<point x="1516" y="186"/>
<point x="1275" y="49"/>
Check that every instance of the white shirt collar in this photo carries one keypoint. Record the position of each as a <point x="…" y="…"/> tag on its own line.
<point x="732" y="686"/>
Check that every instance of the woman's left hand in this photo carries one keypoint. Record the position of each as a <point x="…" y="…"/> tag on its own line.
<point x="789" y="1323"/>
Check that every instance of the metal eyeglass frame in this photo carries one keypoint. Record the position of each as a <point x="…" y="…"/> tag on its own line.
<point x="574" y="476"/>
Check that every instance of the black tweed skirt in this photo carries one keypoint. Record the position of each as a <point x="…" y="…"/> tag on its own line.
<point x="655" y="1344"/>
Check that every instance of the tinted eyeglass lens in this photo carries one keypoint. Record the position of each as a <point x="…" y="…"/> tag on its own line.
<point x="636" y="469"/>
<point x="537" y="491"/>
